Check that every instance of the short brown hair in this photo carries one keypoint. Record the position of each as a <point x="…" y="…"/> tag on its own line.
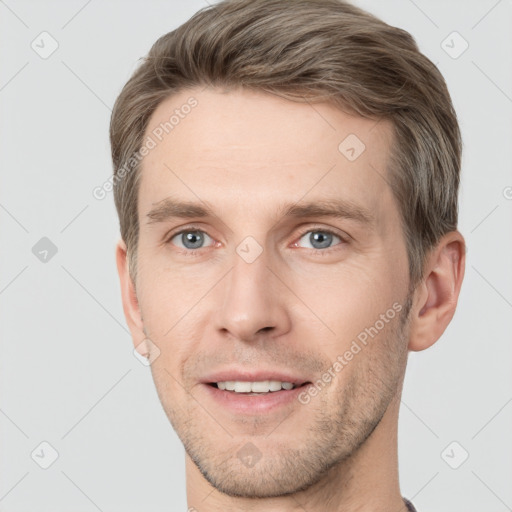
<point x="307" y="50"/>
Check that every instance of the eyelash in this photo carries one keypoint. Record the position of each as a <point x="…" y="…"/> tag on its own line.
<point x="194" y="252"/>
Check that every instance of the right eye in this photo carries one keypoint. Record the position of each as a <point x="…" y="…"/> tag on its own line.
<point x="190" y="239"/>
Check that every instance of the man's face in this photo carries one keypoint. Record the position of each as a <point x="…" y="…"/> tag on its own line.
<point x="250" y="294"/>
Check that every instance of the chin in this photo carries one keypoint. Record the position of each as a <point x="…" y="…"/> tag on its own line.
<point x="286" y="471"/>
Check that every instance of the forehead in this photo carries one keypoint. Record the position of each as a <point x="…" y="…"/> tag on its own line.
<point x="254" y="148"/>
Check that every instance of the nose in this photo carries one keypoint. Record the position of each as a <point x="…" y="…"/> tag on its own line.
<point x="253" y="302"/>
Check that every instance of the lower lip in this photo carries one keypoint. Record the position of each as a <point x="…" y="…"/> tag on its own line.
<point x="249" y="404"/>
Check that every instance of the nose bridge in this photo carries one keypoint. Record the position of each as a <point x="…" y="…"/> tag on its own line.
<point x="251" y="301"/>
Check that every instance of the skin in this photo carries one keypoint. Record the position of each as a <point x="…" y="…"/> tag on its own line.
<point x="294" y="308"/>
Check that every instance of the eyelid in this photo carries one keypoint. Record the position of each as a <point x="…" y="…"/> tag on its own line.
<point x="182" y="229"/>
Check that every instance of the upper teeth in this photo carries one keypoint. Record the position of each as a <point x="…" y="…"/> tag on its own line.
<point x="262" y="386"/>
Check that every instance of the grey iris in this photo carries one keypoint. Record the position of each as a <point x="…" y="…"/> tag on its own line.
<point x="321" y="237"/>
<point x="196" y="239"/>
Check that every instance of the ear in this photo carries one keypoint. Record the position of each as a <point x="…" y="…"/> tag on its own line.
<point x="435" y="298"/>
<point x="130" y="304"/>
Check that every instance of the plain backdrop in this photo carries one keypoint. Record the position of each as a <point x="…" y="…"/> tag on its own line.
<point x="68" y="377"/>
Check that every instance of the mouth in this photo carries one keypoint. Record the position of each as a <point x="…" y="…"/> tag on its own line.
<point x="243" y="391"/>
<point x="255" y="397"/>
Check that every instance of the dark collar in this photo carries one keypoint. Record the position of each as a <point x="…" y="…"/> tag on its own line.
<point x="410" y="506"/>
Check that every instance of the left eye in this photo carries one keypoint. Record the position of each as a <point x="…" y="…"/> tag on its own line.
<point x="320" y="238"/>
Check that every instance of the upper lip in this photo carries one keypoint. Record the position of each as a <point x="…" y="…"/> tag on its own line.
<point x="253" y="376"/>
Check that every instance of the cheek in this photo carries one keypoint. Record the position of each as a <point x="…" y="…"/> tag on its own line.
<point x="159" y="287"/>
<point x="369" y="360"/>
<point x="348" y="300"/>
<point x="169" y="313"/>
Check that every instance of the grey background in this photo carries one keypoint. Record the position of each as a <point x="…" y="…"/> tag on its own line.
<point x="67" y="372"/>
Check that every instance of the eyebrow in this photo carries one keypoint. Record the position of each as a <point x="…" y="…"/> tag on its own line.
<point x="169" y="209"/>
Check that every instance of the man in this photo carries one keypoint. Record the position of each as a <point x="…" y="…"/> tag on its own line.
<point x="286" y="178"/>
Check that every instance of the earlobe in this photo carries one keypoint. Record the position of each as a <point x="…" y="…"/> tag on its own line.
<point x="437" y="295"/>
<point x="129" y="298"/>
